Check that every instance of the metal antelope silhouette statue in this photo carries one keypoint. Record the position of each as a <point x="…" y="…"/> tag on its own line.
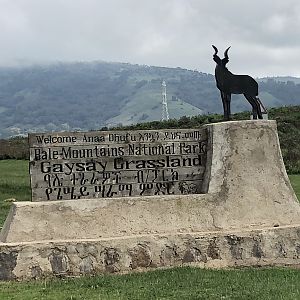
<point x="229" y="83"/>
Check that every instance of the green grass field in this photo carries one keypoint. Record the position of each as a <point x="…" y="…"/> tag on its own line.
<point x="295" y="181"/>
<point x="177" y="283"/>
<point x="14" y="184"/>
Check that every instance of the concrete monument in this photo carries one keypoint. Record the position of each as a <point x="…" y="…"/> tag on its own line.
<point x="103" y="202"/>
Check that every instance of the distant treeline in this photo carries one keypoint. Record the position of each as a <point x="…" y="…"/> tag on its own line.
<point x="14" y="148"/>
<point x="288" y="123"/>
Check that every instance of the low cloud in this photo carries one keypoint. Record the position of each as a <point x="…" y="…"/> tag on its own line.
<point x="177" y="33"/>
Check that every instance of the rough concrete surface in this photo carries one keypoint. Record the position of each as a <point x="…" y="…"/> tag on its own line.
<point x="249" y="177"/>
<point x="247" y="216"/>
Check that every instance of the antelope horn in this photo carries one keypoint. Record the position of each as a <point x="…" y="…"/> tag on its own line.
<point x="216" y="50"/>
<point x="226" y="53"/>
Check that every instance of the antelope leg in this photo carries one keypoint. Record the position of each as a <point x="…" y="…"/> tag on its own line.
<point x="223" y="96"/>
<point x="228" y="103"/>
<point x="253" y="104"/>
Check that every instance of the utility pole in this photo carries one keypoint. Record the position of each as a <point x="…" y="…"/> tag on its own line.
<point x="165" y="112"/>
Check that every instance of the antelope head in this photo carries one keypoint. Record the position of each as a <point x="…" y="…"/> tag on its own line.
<point x="218" y="60"/>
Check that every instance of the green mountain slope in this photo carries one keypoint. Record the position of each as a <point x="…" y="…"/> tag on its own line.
<point x="88" y="96"/>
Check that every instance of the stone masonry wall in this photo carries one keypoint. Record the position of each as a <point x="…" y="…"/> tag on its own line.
<point x="272" y="247"/>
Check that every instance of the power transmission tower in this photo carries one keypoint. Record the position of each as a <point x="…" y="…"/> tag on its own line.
<point x="165" y="112"/>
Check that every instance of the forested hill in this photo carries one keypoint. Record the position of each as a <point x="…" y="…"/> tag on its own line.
<point x="84" y="96"/>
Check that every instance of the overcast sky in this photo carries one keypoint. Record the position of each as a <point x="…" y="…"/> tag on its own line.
<point x="264" y="35"/>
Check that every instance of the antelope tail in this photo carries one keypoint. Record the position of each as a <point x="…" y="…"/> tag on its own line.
<point x="263" y="107"/>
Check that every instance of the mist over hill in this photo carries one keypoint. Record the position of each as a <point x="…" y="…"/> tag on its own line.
<point x="85" y="96"/>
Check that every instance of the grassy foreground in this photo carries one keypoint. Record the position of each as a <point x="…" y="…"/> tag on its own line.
<point x="177" y="283"/>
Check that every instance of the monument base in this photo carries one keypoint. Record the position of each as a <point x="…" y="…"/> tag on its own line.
<point x="263" y="247"/>
<point x="248" y="215"/>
